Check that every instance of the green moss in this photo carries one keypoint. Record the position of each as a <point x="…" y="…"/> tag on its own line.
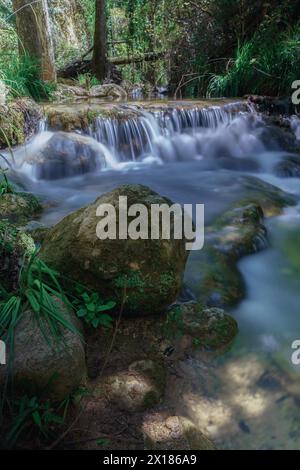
<point x="19" y="207"/>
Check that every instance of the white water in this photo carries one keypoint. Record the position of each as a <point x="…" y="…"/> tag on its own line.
<point x="217" y="136"/>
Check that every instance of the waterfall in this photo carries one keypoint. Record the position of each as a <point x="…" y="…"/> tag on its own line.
<point x="216" y="135"/>
<point x="165" y="134"/>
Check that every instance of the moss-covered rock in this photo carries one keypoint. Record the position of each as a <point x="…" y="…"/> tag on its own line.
<point x="136" y="389"/>
<point x="19" y="207"/>
<point x="212" y="328"/>
<point x="83" y="117"/>
<point x="271" y="199"/>
<point x="14" y="245"/>
<point x="19" y="119"/>
<point x="238" y="232"/>
<point x="145" y="274"/>
<point x="221" y="283"/>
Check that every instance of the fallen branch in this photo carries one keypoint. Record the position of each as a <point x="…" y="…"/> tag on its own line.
<point x="82" y="65"/>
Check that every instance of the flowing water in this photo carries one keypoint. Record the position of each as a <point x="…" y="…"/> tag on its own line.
<point x="250" y="398"/>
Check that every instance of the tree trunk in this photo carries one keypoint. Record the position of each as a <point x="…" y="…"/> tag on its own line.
<point x="33" y="29"/>
<point x="99" y="56"/>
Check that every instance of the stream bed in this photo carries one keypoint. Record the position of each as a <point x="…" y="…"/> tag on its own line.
<point x="250" y="397"/>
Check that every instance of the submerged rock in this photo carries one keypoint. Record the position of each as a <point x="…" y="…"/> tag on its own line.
<point x="145" y="275"/>
<point x="288" y="167"/>
<point x="136" y="389"/>
<point x="67" y="154"/>
<point x="56" y="369"/>
<point x="18" y="207"/>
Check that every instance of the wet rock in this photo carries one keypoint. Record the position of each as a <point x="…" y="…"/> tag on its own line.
<point x="118" y="268"/>
<point x="288" y="167"/>
<point x="19" y="119"/>
<point x="164" y="432"/>
<point x="236" y="233"/>
<point x="136" y="389"/>
<point x="84" y="117"/>
<point x="222" y="284"/>
<point x="18" y="207"/>
<point x="242" y="232"/>
<point x="57" y="368"/>
<point x="272" y="105"/>
<point x="212" y="328"/>
<point x="67" y="154"/>
<point x="271" y="199"/>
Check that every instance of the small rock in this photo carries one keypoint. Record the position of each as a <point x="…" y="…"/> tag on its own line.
<point x="163" y="432"/>
<point x="136" y="389"/>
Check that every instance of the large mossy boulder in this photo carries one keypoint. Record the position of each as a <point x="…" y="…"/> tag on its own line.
<point x="146" y="275"/>
<point x="19" y="207"/>
<point x="54" y="367"/>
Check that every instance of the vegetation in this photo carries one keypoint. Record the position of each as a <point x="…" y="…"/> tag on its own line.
<point x="90" y="307"/>
<point x="38" y="289"/>
<point x="5" y="186"/>
<point x="209" y="47"/>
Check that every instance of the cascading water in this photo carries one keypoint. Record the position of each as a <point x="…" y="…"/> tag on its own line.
<point x="217" y="135"/>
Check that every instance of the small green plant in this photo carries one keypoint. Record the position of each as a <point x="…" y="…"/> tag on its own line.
<point x="37" y="416"/>
<point x="173" y="327"/>
<point x="38" y="289"/>
<point x="90" y="307"/>
<point x="87" y="80"/>
<point x="5" y="186"/>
